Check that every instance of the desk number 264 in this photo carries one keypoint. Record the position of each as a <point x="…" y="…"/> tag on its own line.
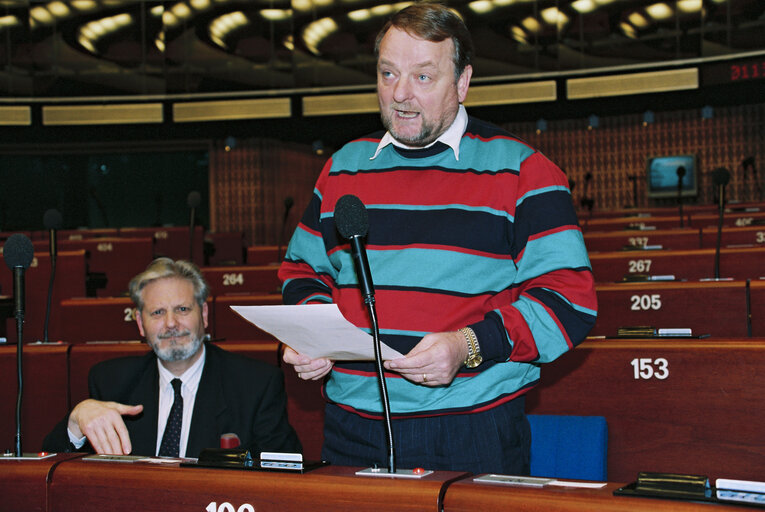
<point x="228" y="507"/>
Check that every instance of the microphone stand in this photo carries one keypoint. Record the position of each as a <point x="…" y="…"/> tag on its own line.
<point x="18" y="285"/>
<point x="50" y="284"/>
<point x="370" y="301"/>
<point x="721" y="191"/>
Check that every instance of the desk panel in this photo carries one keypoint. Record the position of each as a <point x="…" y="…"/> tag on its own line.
<point x="98" y="319"/>
<point x="24" y="483"/>
<point x="243" y="279"/>
<point x="740" y="263"/>
<point x="688" y="238"/>
<point x="730" y="219"/>
<point x="715" y="308"/>
<point x="264" y="254"/>
<point x="669" y="221"/>
<point x="469" y="496"/>
<point x="173" y="242"/>
<point x="230" y="326"/>
<point x="672" y="405"/>
<point x="732" y="236"/>
<point x="757" y="291"/>
<point x="129" y="487"/>
<point x="70" y="282"/>
<point x="45" y="393"/>
<point x="229" y="248"/>
<point x="119" y="258"/>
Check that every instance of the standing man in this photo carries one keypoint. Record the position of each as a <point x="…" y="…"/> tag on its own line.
<point x="180" y="398"/>
<point x="478" y="262"/>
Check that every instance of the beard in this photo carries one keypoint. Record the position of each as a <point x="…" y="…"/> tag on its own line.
<point x="176" y="351"/>
<point x="429" y="130"/>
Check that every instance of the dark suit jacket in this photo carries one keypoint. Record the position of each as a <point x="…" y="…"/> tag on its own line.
<point x="236" y="394"/>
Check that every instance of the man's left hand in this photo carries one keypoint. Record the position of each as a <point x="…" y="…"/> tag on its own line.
<point x="434" y="361"/>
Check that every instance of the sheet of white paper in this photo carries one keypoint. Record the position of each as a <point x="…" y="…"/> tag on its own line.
<point x="317" y="330"/>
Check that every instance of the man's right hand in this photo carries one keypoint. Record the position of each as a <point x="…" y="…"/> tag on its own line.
<point x="307" y="368"/>
<point x="101" y="422"/>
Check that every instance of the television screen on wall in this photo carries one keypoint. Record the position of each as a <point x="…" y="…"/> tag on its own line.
<point x="668" y="173"/>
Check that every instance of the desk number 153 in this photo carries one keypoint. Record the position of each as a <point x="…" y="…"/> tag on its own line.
<point x="647" y="368"/>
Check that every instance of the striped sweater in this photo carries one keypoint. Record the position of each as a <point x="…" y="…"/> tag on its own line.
<point x="490" y="241"/>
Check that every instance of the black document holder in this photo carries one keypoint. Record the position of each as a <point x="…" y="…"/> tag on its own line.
<point x="237" y="458"/>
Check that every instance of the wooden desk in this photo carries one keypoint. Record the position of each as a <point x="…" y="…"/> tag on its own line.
<point x="738" y="263"/>
<point x="229" y="325"/>
<point x="24" y="483"/>
<point x="264" y="254"/>
<point x="757" y="291"/>
<point x="730" y="219"/>
<point x="750" y="235"/>
<point x="672" y="405"/>
<point x="669" y="221"/>
<point x="173" y="242"/>
<point x="469" y="496"/>
<point x="229" y="248"/>
<point x="119" y="258"/>
<point x="242" y="279"/>
<point x="83" y="486"/>
<point x="70" y="282"/>
<point x="716" y="308"/>
<point x="44" y="402"/>
<point x="686" y="238"/>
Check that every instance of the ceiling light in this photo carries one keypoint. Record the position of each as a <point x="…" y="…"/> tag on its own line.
<point x="503" y="3"/>
<point x="181" y="10"/>
<point x="276" y="14"/>
<point x="58" y="9"/>
<point x="628" y="30"/>
<point x="382" y="9"/>
<point x="84" y="5"/>
<point x="481" y="6"/>
<point x="289" y="42"/>
<point x="531" y="24"/>
<point x="9" y="21"/>
<point x="200" y="5"/>
<point x="689" y="6"/>
<point x="41" y="14"/>
<point x="86" y="43"/>
<point x="583" y="6"/>
<point x="169" y="19"/>
<point x="638" y="20"/>
<point x="553" y="16"/>
<point x="519" y="35"/>
<point x="360" y="15"/>
<point x="302" y="5"/>
<point x="157" y="10"/>
<point x="316" y="32"/>
<point x="660" y="11"/>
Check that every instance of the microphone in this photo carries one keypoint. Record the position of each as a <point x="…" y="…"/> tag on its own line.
<point x="288" y="203"/>
<point x="352" y="222"/>
<point x="680" y="173"/>
<point x="192" y="200"/>
<point x="18" y="253"/>
<point x="720" y="177"/>
<point x="52" y="221"/>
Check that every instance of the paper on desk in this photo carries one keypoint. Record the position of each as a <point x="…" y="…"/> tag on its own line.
<point x="317" y="330"/>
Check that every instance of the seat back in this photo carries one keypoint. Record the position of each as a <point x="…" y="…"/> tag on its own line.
<point x="573" y="447"/>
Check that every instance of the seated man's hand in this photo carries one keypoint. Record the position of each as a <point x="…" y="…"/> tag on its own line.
<point x="307" y="368"/>
<point x="434" y="361"/>
<point x="101" y="422"/>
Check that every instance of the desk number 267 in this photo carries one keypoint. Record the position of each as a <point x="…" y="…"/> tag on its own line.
<point x="646" y="368"/>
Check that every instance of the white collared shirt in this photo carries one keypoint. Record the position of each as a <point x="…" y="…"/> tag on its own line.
<point x="190" y="379"/>
<point x="451" y="137"/>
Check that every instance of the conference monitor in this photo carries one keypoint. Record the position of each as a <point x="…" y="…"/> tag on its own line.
<point x="662" y="176"/>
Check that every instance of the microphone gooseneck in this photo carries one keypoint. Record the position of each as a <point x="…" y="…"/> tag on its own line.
<point x="288" y="203"/>
<point x="720" y="177"/>
<point x="52" y="221"/>
<point x="192" y="200"/>
<point x="680" y="173"/>
<point x="18" y="253"/>
<point x="352" y="222"/>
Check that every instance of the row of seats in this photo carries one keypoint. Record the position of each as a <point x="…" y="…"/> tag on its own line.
<point x="684" y="406"/>
<point x="674" y="220"/>
<point x="738" y="309"/>
<point x="678" y="239"/>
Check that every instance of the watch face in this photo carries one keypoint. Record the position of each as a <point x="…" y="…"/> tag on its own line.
<point x="474" y="361"/>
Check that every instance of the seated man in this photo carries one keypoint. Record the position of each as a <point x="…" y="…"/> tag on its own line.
<point x="180" y="398"/>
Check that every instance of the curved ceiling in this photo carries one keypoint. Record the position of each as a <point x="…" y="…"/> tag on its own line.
<point x="76" y="48"/>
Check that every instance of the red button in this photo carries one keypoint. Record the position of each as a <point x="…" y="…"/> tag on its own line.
<point x="418" y="471"/>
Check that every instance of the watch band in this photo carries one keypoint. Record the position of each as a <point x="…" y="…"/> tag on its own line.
<point x="474" y="357"/>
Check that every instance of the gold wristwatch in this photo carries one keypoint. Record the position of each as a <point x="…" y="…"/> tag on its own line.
<point x="474" y="357"/>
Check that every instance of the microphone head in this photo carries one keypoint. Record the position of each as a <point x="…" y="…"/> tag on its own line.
<point x="18" y="251"/>
<point x="720" y="176"/>
<point x="52" y="219"/>
<point x="193" y="199"/>
<point x="680" y="171"/>
<point x="351" y="217"/>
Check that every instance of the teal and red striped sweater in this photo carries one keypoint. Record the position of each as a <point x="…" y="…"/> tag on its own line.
<point x="490" y="241"/>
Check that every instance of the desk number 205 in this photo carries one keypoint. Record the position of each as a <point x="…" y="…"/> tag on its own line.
<point x="228" y="507"/>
